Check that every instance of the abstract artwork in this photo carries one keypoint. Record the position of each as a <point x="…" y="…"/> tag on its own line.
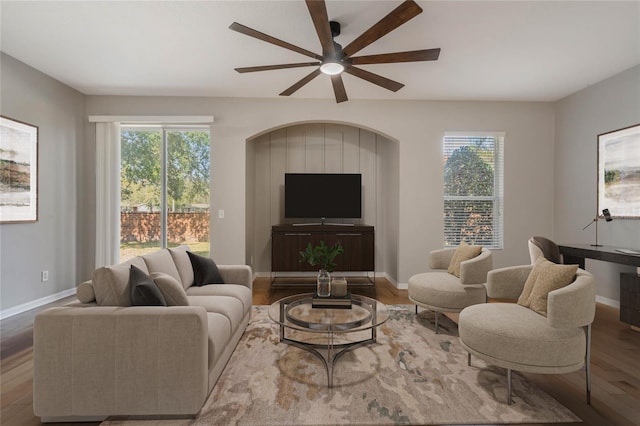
<point x="18" y="171"/>
<point x="619" y="172"/>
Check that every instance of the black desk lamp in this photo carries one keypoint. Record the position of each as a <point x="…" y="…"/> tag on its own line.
<point x="607" y="217"/>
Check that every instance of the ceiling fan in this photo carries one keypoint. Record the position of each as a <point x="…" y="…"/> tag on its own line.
<point x="335" y="59"/>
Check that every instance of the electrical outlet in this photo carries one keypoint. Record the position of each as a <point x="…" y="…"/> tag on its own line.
<point x="45" y="276"/>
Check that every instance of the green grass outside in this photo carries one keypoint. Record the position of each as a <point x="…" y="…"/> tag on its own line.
<point x="133" y="249"/>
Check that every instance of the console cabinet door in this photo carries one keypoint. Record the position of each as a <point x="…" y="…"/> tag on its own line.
<point x="286" y="248"/>
<point x="288" y="241"/>
<point x="358" y="250"/>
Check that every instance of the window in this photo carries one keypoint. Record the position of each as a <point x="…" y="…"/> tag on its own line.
<point x="164" y="189"/>
<point x="473" y="182"/>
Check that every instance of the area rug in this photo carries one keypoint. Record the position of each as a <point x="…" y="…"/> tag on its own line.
<point x="410" y="376"/>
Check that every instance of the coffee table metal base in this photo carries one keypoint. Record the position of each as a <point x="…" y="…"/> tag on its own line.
<point x="329" y="353"/>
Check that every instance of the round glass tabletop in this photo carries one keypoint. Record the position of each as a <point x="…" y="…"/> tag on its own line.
<point x="297" y="312"/>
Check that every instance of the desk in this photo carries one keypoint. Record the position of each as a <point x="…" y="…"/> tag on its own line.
<point x="576" y="253"/>
<point x="629" y="283"/>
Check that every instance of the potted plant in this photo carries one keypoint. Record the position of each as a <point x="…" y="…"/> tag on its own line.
<point x="322" y="256"/>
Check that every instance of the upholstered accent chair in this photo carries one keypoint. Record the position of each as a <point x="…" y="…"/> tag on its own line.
<point x="543" y="247"/>
<point x="441" y="291"/>
<point x="516" y="337"/>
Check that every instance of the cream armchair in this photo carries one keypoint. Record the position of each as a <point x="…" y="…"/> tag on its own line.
<point x="440" y="291"/>
<point x="514" y="337"/>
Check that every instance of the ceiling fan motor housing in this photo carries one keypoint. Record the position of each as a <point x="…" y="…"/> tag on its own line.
<point x="335" y="28"/>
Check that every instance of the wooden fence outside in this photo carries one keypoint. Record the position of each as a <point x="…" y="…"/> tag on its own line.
<point x="183" y="227"/>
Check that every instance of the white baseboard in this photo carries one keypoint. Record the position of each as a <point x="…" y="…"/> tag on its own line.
<point x="9" y="312"/>
<point x="609" y="302"/>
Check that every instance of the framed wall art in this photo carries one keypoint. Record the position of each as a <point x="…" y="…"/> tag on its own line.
<point x="619" y="172"/>
<point x="18" y="171"/>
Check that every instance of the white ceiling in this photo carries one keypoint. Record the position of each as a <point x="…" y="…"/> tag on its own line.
<point x="491" y="50"/>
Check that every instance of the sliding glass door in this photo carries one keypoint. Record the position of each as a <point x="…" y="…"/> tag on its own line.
<point x="165" y="175"/>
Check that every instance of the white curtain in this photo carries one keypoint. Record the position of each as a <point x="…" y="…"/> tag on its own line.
<point x="107" y="193"/>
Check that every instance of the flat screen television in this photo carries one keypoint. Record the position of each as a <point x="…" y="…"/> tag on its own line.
<point x="323" y="195"/>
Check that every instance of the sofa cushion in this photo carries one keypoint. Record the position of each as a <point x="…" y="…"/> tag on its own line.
<point x="240" y="292"/>
<point x="111" y="283"/>
<point x="171" y="290"/>
<point x="144" y="292"/>
<point x="462" y="253"/>
<point x="161" y="261"/>
<point x="183" y="264"/>
<point x="228" y="306"/>
<point x="205" y="270"/>
<point x="545" y="277"/>
<point x="219" y="334"/>
<point x="85" y="292"/>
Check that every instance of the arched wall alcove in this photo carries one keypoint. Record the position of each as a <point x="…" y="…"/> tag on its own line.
<point x="322" y="147"/>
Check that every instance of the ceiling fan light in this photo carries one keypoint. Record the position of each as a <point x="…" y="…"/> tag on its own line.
<point x="331" y="68"/>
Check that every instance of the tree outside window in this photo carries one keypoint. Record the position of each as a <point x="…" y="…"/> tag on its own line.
<point x="164" y="167"/>
<point x="473" y="189"/>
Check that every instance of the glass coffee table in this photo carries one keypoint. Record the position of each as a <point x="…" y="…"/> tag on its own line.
<point x="328" y="333"/>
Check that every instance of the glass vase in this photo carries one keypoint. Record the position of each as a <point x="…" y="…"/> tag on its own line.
<point x="324" y="283"/>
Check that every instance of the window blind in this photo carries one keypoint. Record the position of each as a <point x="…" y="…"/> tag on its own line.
<point x="473" y="189"/>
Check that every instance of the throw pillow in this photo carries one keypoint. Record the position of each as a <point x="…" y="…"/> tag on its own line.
<point x="171" y="289"/>
<point x="205" y="270"/>
<point x="462" y="253"/>
<point x="545" y="277"/>
<point x="525" y="296"/>
<point x="85" y="292"/>
<point x="144" y="292"/>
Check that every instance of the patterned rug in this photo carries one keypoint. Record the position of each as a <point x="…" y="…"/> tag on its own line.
<point x="410" y="376"/>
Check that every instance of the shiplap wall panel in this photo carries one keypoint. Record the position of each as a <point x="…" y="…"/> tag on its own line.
<point x="351" y="149"/>
<point x="314" y="148"/>
<point x="278" y="160"/>
<point x="333" y="143"/>
<point x="250" y="195"/>
<point x="368" y="162"/>
<point x="262" y="217"/>
<point x="295" y="149"/>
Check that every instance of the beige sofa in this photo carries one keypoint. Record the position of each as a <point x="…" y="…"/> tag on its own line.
<point x="108" y="358"/>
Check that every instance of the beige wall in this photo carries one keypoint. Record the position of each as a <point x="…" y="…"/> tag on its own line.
<point x="609" y="105"/>
<point x="50" y="244"/>
<point x="417" y="126"/>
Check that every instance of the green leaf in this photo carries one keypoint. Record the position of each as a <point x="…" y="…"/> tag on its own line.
<point x="322" y="255"/>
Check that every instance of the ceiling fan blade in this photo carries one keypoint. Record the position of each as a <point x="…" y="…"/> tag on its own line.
<point x="338" y="88"/>
<point x="291" y="90"/>
<point x="318" y="12"/>
<point x="390" y="58"/>
<point x="401" y="14"/>
<point x="264" y="37"/>
<point x="379" y="80"/>
<point x="276" y="67"/>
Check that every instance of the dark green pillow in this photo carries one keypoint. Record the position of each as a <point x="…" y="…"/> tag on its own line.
<point x="144" y="292"/>
<point x="205" y="270"/>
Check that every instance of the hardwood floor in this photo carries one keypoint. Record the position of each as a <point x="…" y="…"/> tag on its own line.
<point x="615" y="363"/>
